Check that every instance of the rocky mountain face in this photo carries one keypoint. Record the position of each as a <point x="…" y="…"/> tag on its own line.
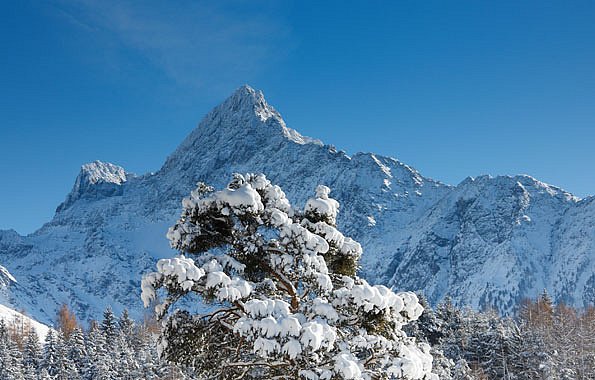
<point x="487" y="242"/>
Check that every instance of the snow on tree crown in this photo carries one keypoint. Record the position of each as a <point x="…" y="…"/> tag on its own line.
<point x="275" y="307"/>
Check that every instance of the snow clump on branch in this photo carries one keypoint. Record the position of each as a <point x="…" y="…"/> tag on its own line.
<point x="282" y="294"/>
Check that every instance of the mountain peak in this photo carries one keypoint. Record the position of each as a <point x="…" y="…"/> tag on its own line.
<point x="247" y="99"/>
<point x="248" y="109"/>
<point x="240" y="123"/>
<point x="97" y="172"/>
<point x="96" y="179"/>
<point x="248" y="94"/>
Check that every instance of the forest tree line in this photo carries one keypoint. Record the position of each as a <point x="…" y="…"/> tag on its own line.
<point x="543" y="341"/>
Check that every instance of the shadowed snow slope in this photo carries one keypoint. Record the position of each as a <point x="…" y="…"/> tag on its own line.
<point x="486" y="242"/>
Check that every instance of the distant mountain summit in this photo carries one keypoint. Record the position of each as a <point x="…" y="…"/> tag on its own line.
<point x="96" y="179"/>
<point x="488" y="242"/>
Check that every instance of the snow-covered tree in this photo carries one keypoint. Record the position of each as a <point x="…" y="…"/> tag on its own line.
<point x="146" y="351"/>
<point x="126" y="325"/>
<point x="32" y="352"/>
<point x="55" y="358"/>
<point x="11" y="367"/>
<point x="283" y="298"/>
<point x="432" y="329"/>
<point x="109" y="327"/>
<point x="98" y="364"/>
<point x="49" y="358"/>
<point x="75" y="350"/>
<point x="428" y="327"/>
<point x="65" y="368"/>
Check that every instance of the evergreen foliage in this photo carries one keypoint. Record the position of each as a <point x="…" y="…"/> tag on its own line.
<point x="469" y="345"/>
<point x="86" y="355"/>
<point x="546" y="341"/>
<point x="108" y="327"/>
<point x="284" y="300"/>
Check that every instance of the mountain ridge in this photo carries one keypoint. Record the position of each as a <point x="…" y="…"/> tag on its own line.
<point x="417" y="233"/>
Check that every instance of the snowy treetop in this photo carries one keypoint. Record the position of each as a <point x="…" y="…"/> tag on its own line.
<point x="282" y="286"/>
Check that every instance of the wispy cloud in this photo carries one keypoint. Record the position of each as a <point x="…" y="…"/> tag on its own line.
<point x="194" y="43"/>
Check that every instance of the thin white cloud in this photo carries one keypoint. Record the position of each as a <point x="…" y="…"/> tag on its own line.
<point x="194" y="43"/>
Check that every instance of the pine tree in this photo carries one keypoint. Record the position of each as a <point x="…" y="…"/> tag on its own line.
<point x="11" y="367"/>
<point x="146" y="354"/>
<point x="64" y="367"/>
<point x="126" y="325"/>
<point x="55" y="360"/>
<point x="50" y="354"/>
<point x="453" y="329"/>
<point x="285" y="300"/>
<point x="432" y="329"/>
<point x="98" y="365"/>
<point x="76" y="350"/>
<point x="32" y="351"/>
<point x="586" y="342"/>
<point x="428" y="327"/>
<point x="109" y="327"/>
<point x="126" y="366"/>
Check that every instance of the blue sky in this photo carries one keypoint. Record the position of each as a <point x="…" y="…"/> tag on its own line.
<point x="454" y="89"/>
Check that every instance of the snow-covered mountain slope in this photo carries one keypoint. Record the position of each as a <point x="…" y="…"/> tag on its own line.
<point x="486" y="242"/>
<point x="14" y="319"/>
<point x="490" y="242"/>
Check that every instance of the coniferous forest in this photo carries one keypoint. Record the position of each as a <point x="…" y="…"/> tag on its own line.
<point x="544" y="341"/>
